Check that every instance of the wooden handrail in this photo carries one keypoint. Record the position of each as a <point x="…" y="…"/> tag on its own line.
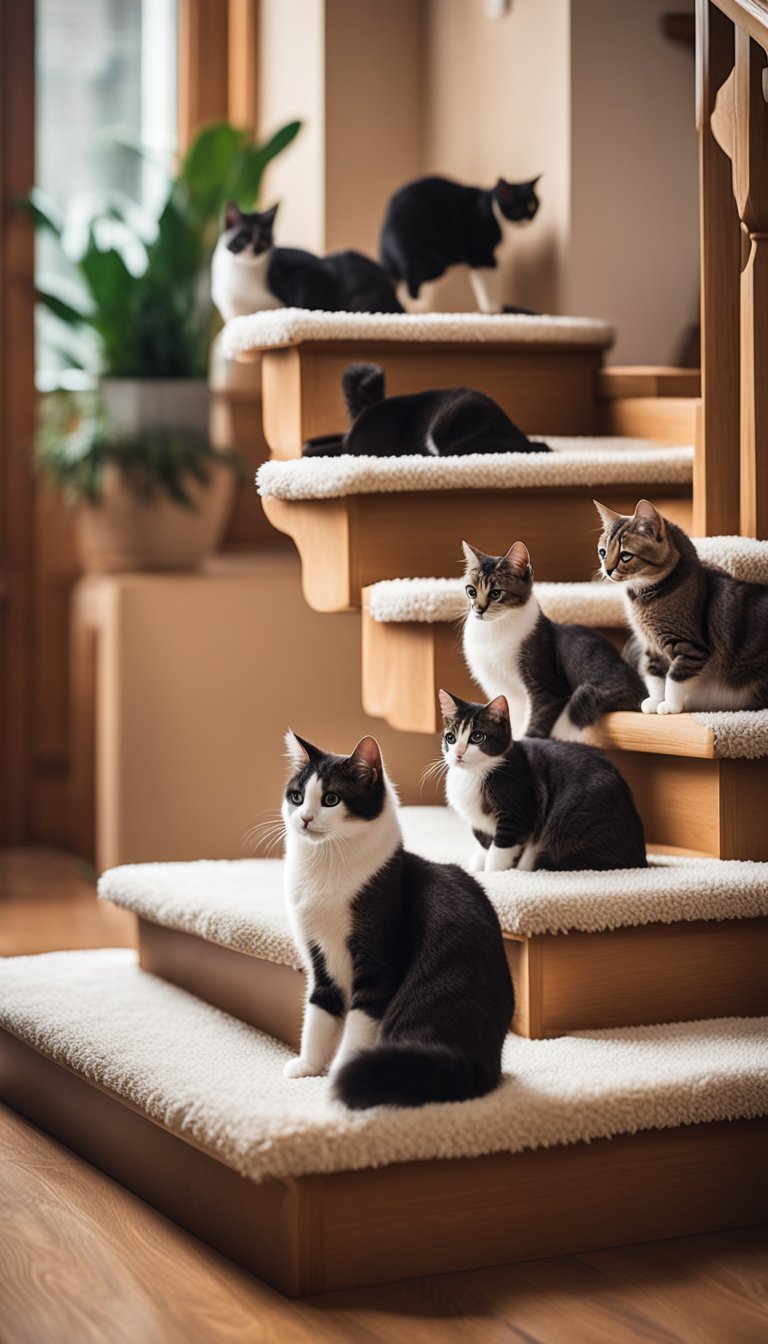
<point x="751" y="15"/>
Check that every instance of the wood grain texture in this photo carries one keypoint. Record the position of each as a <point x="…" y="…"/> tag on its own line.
<point x="17" y="422"/>
<point x="347" y="543"/>
<point x="670" y="420"/>
<point x="202" y="83"/>
<point x="716" y="463"/>
<point x="546" y="390"/>
<point x="621" y="977"/>
<point x="315" y="1233"/>
<point x="647" y="381"/>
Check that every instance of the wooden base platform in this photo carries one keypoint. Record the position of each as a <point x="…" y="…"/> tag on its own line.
<point x="356" y="540"/>
<point x="316" y="1233"/>
<point x="563" y="982"/>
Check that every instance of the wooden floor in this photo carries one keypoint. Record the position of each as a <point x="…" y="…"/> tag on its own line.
<point x="84" y="1262"/>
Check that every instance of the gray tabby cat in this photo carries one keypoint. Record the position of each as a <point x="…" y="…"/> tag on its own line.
<point x="409" y="992"/>
<point x="535" y="803"/>
<point x="558" y="679"/>
<point x="701" y="636"/>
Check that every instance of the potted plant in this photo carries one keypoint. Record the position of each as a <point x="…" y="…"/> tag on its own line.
<point x="137" y="299"/>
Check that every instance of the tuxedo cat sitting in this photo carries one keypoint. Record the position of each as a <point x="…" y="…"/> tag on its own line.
<point x="433" y="223"/>
<point x="448" y="422"/>
<point x="249" y="274"/>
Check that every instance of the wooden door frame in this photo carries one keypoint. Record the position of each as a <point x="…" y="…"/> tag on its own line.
<point x="17" y="418"/>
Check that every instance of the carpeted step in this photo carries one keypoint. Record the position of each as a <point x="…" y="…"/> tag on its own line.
<point x="359" y="520"/>
<point x="542" y="370"/>
<point x="682" y="939"/>
<point x="188" y="1107"/>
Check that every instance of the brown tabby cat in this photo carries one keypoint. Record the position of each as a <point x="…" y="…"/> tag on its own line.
<point x="701" y="636"/>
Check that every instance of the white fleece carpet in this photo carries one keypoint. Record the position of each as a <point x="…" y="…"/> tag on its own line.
<point x="575" y="461"/>
<point x="218" y="1083"/>
<point x="291" y="326"/>
<point x="238" y="903"/>
<point x="434" y="600"/>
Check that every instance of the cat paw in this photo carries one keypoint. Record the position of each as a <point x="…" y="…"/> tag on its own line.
<point x="650" y="705"/>
<point x="298" y="1068"/>
<point x="666" y="708"/>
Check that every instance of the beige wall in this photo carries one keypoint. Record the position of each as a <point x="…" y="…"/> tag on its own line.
<point x="199" y="675"/>
<point x="496" y="104"/>
<point x="633" y="246"/>
<point x="291" y="84"/>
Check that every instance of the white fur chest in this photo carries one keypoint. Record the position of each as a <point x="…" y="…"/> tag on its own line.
<point x="463" y="791"/>
<point x="492" y="652"/>
<point x="239" y="283"/>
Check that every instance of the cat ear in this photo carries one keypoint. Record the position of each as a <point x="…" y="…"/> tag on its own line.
<point x="448" y="705"/>
<point x="503" y="187"/>
<point x="518" y="557"/>
<point x="299" y="752"/>
<point x="534" y="182"/>
<point x="607" y="515"/>
<point x="498" y="707"/>
<point x="233" y="215"/>
<point x="472" y="555"/>
<point x="267" y="217"/>
<point x="367" y="757"/>
<point x="648" y="518"/>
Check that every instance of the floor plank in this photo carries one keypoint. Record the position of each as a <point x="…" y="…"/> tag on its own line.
<point x="83" y="1261"/>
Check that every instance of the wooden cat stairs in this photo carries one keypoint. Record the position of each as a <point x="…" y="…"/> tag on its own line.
<point x="636" y="1092"/>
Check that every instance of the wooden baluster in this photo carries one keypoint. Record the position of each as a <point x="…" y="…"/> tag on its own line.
<point x="716" y="465"/>
<point x="750" y="185"/>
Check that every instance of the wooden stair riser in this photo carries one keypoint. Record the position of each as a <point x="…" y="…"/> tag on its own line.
<point x="405" y="663"/>
<point x="346" y="544"/>
<point x="563" y="982"/>
<point x="544" y="390"/>
<point x="712" y="807"/>
<point x="318" y="1233"/>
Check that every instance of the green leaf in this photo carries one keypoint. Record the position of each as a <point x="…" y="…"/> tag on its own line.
<point x="209" y="165"/>
<point x="44" y="211"/>
<point x="107" y="277"/>
<point x="61" y="309"/>
<point x="253" y="161"/>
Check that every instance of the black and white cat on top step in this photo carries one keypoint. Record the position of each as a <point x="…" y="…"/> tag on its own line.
<point x="249" y="274"/>
<point x="535" y="804"/>
<point x="700" y="636"/>
<point x="432" y="224"/>
<point x="409" y="992"/>
<point x="450" y="422"/>
<point x="558" y="679"/>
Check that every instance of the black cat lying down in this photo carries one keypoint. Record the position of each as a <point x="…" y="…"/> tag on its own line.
<point x="450" y="422"/>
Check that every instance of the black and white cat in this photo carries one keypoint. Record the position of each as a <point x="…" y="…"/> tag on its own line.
<point x="409" y="993"/>
<point x="449" y="422"/>
<point x="535" y="804"/>
<point x="558" y="679"/>
<point x="433" y="223"/>
<point x="701" y="636"/>
<point x="249" y="274"/>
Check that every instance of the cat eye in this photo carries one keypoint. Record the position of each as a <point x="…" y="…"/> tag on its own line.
<point x="296" y="796"/>
<point x="601" y="552"/>
<point x="625" y="557"/>
<point x="331" y="800"/>
<point x="495" y="594"/>
<point x="471" y="592"/>
<point x="450" y="737"/>
<point x="477" y="737"/>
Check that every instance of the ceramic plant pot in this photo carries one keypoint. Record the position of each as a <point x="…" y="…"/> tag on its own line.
<point x="127" y="532"/>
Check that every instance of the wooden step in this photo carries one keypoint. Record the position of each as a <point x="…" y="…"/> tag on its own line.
<point x="357" y="521"/>
<point x="98" y="1054"/>
<point x="585" y="950"/>
<point x="655" y="401"/>
<point x="542" y="371"/>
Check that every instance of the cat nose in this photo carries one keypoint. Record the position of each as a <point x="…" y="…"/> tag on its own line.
<point x="459" y="755"/>
<point x="306" y="820"/>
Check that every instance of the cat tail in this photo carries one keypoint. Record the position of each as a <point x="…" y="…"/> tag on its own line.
<point x="409" y="1073"/>
<point x="585" y="705"/>
<point x="363" y="386"/>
